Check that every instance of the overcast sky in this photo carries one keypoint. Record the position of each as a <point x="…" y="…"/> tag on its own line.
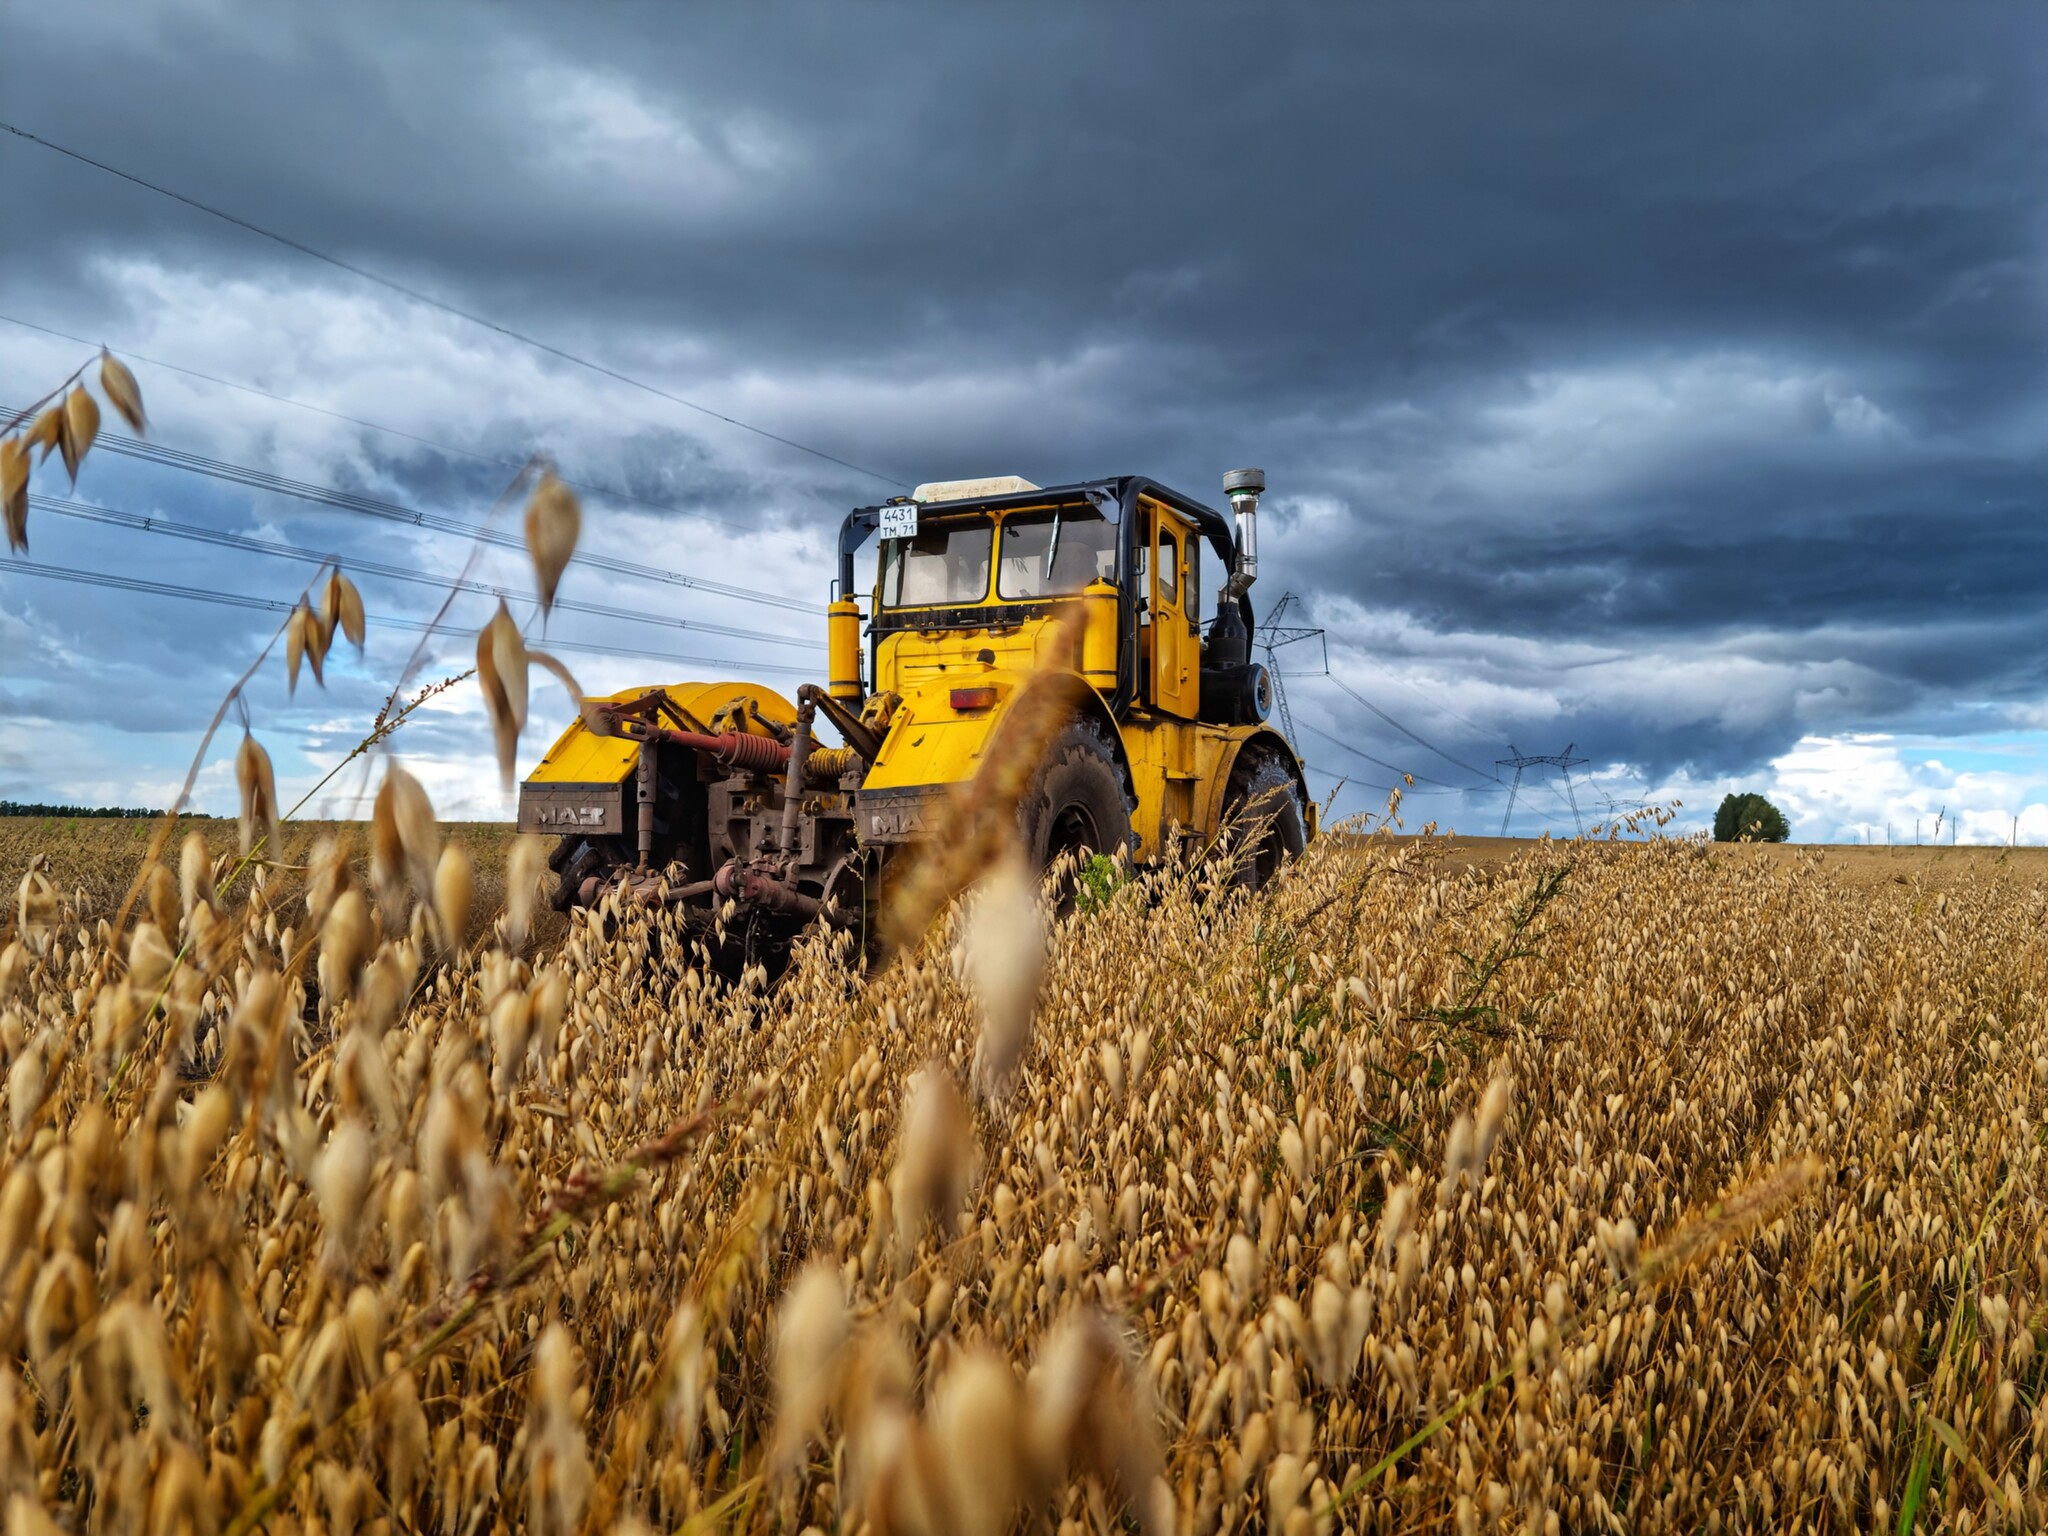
<point x="1669" y="382"/>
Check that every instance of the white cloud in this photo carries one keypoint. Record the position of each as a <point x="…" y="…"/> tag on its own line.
<point x="1859" y="788"/>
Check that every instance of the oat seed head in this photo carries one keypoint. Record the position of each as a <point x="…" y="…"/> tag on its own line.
<point x="501" y="672"/>
<point x="405" y="839"/>
<point x="1004" y="947"/>
<point x="258" y="786"/>
<point x="554" y="521"/>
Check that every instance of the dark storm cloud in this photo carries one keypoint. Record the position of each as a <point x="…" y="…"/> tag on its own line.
<point x="1887" y="552"/>
<point x="1420" y="184"/>
<point x="1653" y="334"/>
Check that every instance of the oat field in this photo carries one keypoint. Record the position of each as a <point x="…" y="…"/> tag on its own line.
<point x="1654" y="1187"/>
<point x="93" y="859"/>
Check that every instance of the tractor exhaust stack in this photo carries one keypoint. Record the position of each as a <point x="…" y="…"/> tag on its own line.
<point x="1244" y="487"/>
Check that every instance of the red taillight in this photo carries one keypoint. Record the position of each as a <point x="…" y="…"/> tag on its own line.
<point x="974" y="698"/>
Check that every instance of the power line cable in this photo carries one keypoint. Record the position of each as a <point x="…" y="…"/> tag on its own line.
<point x="1394" y="677"/>
<point x="1352" y="781"/>
<point x="581" y="483"/>
<point x="168" y="526"/>
<point x="394" y="512"/>
<point x="1346" y="780"/>
<point x="1553" y="791"/>
<point x="446" y="308"/>
<point x="419" y="626"/>
<point x="1559" y="796"/>
<point x="1380" y="762"/>
<point x="1420" y="741"/>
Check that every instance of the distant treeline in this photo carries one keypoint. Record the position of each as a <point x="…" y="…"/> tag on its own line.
<point x="17" y="808"/>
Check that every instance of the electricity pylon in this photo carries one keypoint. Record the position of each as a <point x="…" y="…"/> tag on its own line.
<point x="1563" y="762"/>
<point x="1271" y="636"/>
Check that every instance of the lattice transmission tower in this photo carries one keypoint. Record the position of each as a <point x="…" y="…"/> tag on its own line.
<point x="1563" y="762"/>
<point x="1270" y="637"/>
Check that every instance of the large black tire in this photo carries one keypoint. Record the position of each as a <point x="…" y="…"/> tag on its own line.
<point x="1077" y="802"/>
<point x="1265" y="823"/>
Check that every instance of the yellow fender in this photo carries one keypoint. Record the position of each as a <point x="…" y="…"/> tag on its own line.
<point x="930" y="742"/>
<point x="1212" y="808"/>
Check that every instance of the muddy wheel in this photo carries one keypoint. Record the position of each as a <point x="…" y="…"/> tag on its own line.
<point x="1076" y="803"/>
<point x="1263" y="815"/>
<point x="575" y="860"/>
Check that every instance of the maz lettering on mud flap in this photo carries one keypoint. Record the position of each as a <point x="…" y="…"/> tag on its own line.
<point x="568" y="815"/>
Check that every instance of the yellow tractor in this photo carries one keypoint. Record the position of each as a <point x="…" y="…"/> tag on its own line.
<point x="702" y="794"/>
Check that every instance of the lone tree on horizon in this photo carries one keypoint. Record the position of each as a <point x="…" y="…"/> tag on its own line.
<point x="1750" y="816"/>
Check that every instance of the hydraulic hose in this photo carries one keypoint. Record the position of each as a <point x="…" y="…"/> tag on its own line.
<point x="763" y="754"/>
<point x="734" y="749"/>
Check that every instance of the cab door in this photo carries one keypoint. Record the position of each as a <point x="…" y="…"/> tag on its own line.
<point x="1176" y="642"/>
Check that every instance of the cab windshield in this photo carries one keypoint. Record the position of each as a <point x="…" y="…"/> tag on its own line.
<point x="943" y="564"/>
<point x="1055" y="552"/>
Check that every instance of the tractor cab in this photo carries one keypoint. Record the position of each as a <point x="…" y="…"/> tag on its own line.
<point x="968" y="571"/>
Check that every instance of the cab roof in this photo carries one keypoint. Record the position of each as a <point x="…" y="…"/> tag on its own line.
<point x="967" y="490"/>
<point x="1122" y="491"/>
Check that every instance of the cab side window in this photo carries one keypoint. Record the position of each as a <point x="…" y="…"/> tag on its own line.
<point x="1169" y="567"/>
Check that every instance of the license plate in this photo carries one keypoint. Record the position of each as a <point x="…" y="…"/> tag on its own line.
<point x="899" y="522"/>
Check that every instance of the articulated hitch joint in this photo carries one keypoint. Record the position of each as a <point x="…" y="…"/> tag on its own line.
<point x="759" y="883"/>
<point x="756" y="883"/>
<point x="763" y="882"/>
<point x="789" y="759"/>
<point x="642" y="887"/>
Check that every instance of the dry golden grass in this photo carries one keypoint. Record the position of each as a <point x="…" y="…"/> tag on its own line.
<point x="1845" y="864"/>
<point x="569" y="1239"/>
<point x="93" y="859"/>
